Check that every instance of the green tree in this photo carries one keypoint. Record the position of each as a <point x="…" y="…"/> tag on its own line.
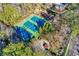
<point x="20" y="49"/>
<point x="17" y="50"/>
<point x="71" y="17"/>
<point x="10" y="15"/>
<point x="2" y="34"/>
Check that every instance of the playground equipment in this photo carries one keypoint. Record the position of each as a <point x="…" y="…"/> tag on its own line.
<point x="60" y="7"/>
<point x="31" y="27"/>
<point x="40" y="45"/>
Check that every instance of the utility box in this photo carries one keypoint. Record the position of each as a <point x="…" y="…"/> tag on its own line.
<point x="30" y="27"/>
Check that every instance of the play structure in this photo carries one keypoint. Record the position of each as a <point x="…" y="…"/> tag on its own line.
<point x="60" y="7"/>
<point x="42" y="45"/>
<point x="31" y="27"/>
